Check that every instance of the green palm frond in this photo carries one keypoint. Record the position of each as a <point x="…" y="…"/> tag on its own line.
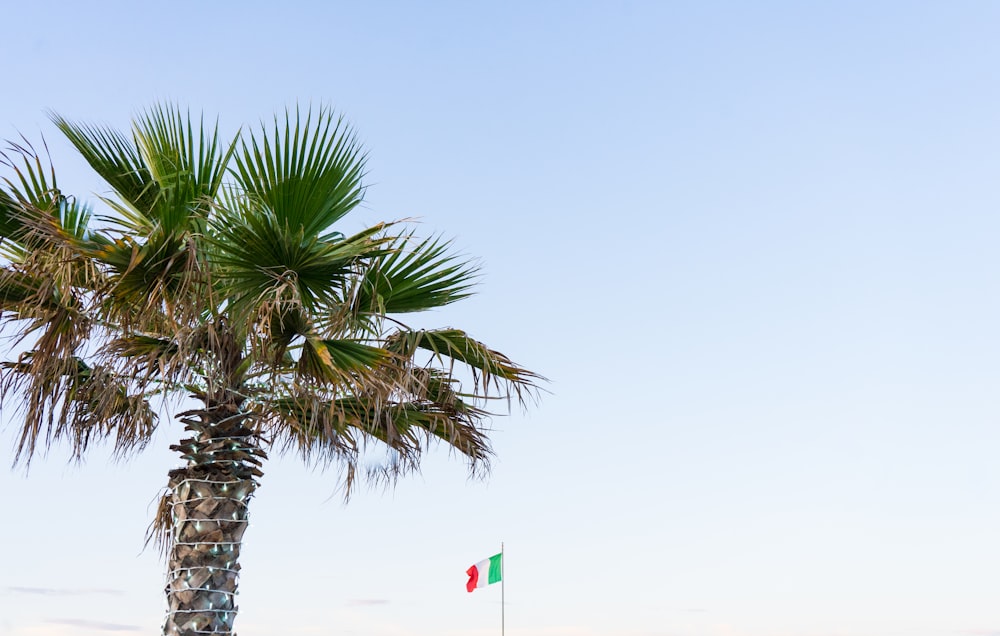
<point x="187" y="167"/>
<point x="267" y="268"/>
<point x="9" y="210"/>
<point x="356" y="357"/>
<point x="306" y="171"/>
<point x="164" y="175"/>
<point x="284" y="328"/>
<point x="490" y="369"/>
<point x="117" y="160"/>
<point x="344" y="364"/>
<point x="413" y="276"/>
<point x="33" y="209"/>
<point x="155" y="271"/>
<point x="33" y="187"/>
<point x="167" y="177"/>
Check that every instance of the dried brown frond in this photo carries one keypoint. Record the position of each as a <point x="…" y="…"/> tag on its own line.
<point x="71" y="400"/>
<point x="161" y="528"/>
<point x="274" y="317"/>
<point x="146" y="359"/>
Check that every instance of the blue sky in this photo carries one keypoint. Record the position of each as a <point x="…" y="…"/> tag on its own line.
<point x="753" y="245"/>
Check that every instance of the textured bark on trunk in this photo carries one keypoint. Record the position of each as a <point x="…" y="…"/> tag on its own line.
<point x="208" y="501"/>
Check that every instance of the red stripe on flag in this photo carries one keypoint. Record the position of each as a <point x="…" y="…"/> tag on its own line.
<point x="473" y="573"/>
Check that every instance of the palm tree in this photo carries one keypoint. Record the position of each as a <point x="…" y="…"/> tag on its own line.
<point x="217" y="288"/>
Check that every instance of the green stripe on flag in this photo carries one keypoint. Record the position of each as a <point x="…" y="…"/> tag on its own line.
<point x="496" y="568"/>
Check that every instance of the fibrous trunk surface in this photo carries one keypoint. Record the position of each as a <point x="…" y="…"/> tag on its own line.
<point x="208" y="501"/>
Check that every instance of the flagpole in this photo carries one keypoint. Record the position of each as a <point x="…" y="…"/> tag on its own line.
<point x="503" y="581"/>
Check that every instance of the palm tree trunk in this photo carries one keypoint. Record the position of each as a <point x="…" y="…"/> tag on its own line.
<point x="208" y="501"/>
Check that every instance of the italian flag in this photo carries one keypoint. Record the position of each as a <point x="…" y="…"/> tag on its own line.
<point x="485" y="572"/>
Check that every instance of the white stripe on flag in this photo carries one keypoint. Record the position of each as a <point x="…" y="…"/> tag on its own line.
<point x="484" y="573"/>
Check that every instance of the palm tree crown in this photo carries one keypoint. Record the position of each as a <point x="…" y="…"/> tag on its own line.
<point x="218" y="274"/>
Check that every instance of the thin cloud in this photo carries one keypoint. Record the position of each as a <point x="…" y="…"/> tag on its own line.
<point x="51" y="591"/>
<point x="360" y="602"/>
<point x="98" y="625"/>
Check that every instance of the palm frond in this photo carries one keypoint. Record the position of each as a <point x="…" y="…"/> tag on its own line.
<point x="339" y="430"/>
<point x="164" y="174"/>
<point x="9" y="210"/>
<point x="491" y="370"/>
<point x="343" y="367"/>
<point x="155" y="278"/>
<point x="21" y="294"/>
<point x="64" y="398"/>
<point x="150" y="358"/>
<point x="33" y="210"/>
<point x="33" y="187"/>
<point x="307" y="170"/>
<point x="49" y="292"/>
<point x="414" y="276"/>
<point x="188" y="167"/>
<point x="267" y="269"/>
<point x="118" y="161"/>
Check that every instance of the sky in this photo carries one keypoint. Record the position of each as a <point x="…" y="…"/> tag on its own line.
<point x="751" y="245"/>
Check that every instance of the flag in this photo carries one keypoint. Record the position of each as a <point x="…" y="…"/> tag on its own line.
<point x="485" y="572"/>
